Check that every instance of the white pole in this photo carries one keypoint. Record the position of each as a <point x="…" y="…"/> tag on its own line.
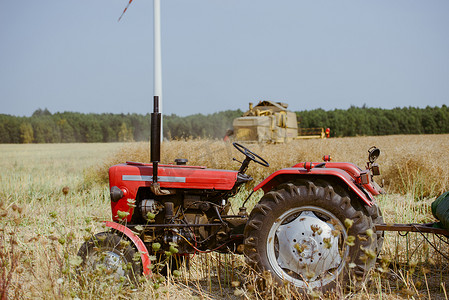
<point x="157" y="57"/>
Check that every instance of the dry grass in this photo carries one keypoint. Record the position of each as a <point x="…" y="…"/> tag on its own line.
<point x="42" y="229"/>
<point x="411" y="165"/>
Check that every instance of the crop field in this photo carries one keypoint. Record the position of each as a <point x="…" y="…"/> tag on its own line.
<point x="54" y="196"/>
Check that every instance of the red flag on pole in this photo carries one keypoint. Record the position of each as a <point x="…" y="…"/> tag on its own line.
<point x="124" y="10"/>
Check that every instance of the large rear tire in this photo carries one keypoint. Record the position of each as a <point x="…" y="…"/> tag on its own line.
<point x="376" y="216"/>
<point x="310" y="236"/>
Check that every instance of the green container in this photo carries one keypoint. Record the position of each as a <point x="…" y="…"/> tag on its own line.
<point x="440" y="209"/>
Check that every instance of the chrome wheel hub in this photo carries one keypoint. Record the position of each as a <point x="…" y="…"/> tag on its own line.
<point x="305" y="245"/>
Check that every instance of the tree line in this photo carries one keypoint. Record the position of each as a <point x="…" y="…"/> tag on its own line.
<point x="72" y="127"/>
<point x="359" y="121"/>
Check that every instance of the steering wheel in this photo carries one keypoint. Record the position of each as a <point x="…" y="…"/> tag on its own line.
<point x="250" y="156"/>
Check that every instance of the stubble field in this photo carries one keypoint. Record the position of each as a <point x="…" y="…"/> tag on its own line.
<point x="42" y="228"/>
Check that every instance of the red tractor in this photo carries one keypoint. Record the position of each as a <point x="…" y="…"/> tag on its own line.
<point x="314" y="225"/>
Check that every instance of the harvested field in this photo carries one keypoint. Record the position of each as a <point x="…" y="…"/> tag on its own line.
<point x="42" y="227"/>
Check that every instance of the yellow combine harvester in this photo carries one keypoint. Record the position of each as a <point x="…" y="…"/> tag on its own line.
<point x="271" y="122"/>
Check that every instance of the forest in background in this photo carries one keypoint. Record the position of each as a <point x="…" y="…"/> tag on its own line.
<point x="72" y="127"/>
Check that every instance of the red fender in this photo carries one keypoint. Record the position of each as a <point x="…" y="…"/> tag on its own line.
<point x="351" y="169"/>
<point x="146" y="262"/>
<point x="271" y="181"/>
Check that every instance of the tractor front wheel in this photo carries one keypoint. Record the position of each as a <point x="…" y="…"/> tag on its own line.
<point x="310" y="236"/>
<point x="110" y="255"/>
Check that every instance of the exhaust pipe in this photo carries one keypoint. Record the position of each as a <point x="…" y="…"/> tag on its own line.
<point x="155" y="148"/>
<point x="155" y="138"/>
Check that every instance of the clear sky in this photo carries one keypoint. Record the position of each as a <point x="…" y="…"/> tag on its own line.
<point x="73" y="55"/>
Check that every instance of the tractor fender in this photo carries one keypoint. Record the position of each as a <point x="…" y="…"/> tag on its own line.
<point x="275" y="179"/>
<point x="146" y="262"/>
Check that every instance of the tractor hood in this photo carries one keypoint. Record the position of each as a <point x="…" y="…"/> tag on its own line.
<point x="134" y="175"/>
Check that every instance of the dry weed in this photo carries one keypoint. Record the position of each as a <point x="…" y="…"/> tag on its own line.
<point x="53" y="225"/>
<point x="410" y="164"/>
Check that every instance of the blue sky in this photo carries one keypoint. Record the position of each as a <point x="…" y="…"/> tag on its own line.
<point x="73" y="55"/>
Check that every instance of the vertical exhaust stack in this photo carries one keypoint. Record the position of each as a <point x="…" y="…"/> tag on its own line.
<point x="156" y="116"/>
<point x="155" y="148"/>
<point x="155" y="138"/>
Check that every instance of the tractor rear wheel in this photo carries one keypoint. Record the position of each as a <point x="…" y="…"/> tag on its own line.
<point x="310" y="236"/>
<point x="108" y="253"/>
<point x="376" y="215"/>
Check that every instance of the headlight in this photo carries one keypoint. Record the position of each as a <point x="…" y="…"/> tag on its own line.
<point x="116" y="194"/>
